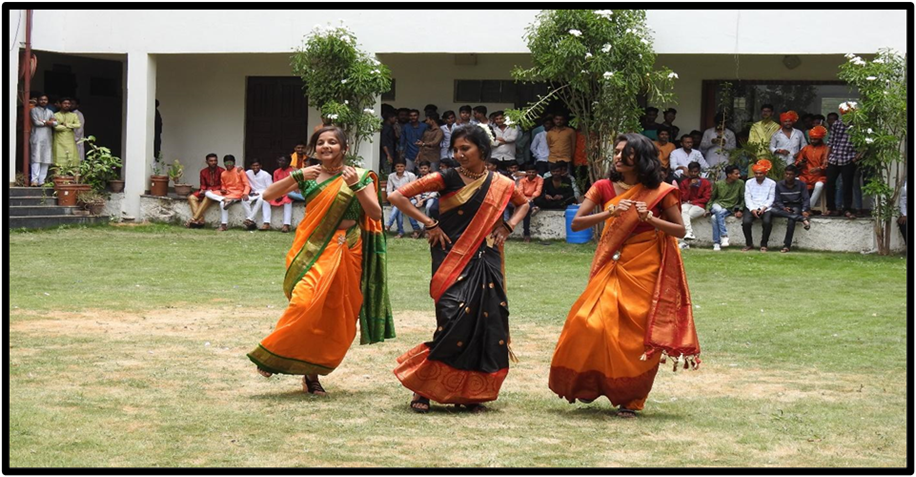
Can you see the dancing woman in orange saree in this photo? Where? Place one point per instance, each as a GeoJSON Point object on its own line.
{"type": "Point", "coordinates": [636, 308]}
{"type": "Point", "coordinates": [335, 269]}
{"type": "Point", "coordinates": [468, 357]}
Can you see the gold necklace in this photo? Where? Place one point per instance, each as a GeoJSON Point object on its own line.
{"type": "Point", "coordinates": [331, 171]}
{"type": "Point", "coordinates": [471, 175]}
{"type": "Point", "coordinates": [623, 185]}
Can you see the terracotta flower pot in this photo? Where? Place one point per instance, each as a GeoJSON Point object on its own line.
{"type": "Point", "coordinates": [183, 190]}
{"type": "Point", "coordinates": [383, 187]}
{"type": "Point", "coordinates": [66, 194]}
{"type": "Point", "coordinates": [116, 185]}
{"type": "Point", "coordinates": [63, 179]}
{"type": "Point", "coordinates": [159, 186]}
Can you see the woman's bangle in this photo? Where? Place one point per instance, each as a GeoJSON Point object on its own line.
{"type": "Point", "coordinates": [508, 227]}
{"type": "Point", "coordinates": [434, 225]}
{"type": "Point", "coordinates": [356, 187]}
{"type": "Point", "coordinates": [297, 175]}
{"type": "Point", "coordinates": [649, 216]}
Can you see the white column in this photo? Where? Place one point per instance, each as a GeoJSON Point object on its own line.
{"type": "Point", "coordinates": [15, 21]}
{"type": "Point", "coordinates": [139, 129]}
{"type": "Point", "coordinates": [370, 151]}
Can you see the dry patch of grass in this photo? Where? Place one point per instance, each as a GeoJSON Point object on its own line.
{"type": "Point", "coordinates": [172, 386]}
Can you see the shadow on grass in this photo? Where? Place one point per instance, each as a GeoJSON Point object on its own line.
{"type": "Point", "coordinates": [605, 412]}
{"type": "Point", "coordinates": [299, 395]}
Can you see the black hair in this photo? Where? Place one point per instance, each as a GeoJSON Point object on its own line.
{"type": "Point", "coordinates": [302, 142]}
{"type": "Point", "coordinates": [693, 166]}
{"type": "Point", "coordinates": [767, 106]}
{"type": "Point", "coordinates": [556, 166]}
{"type": "Point", "coordinates": [476, 136]}
{"type": "Point", "coordinates": [253, 162]}
{"type": "Point", "coordinates": [807, 115]}
{"type": "Point", "coordinates": [406, 110]}
{"type": "Point", "coordinates": [429, 107]}
{"type": "Point", "coordinates": [446, 162]}
{"type": "Point", "coordinates": [448, 113]}
{"type": "Point", "coordinates": [731, 168]}
{"type": "Point", "coordinates": [411, 111]}
{"type": "Point", "coordinates": [651, 109]}
{"type": "Point", "coordinates": [65, 98]}
{"type": "Point", "coordinates": [283, 158]}
{"type": "Point", "coordinates": [531, 166]}
{"type": "Point", "coordinates": [481, 109]}
{"type": "Point", "coordinates": [791, 168]}
{"type": "Point", "coordinates": [499, 113]}
{"type": "Point", "coordinates": [399, 160]}
{"type": "Point", "coordinates": [645, 160]}
{"type": "Point", "coordinates": [228, 157]}
{"type": "Point", "coordinates": [513, 163]}
{"type": "Point", "coordinates": [819, 116]}
{"type": "Point", "coordinates": [718, 117]}
{"type": "Point", "coordinates": [686, 136]}
{"type": "Point", "coordinates": [670, 110]}
{"type": "Point", "coordinates": [388, 115]}
{"type": "Point", "coordinates": [212, 154]}
{"type": "Point", "coordinates": [424, 163]}
{"type": "Point", "coordinates": [662, 128]}
{"type": "Point", "coordinates": [433, 115]}
{"type": "Point", "coordinates": [832, 114]}
{"type": "Point", "coordinates": [465, 108]}
{"type": "Point", "coordinates": [696, 133]}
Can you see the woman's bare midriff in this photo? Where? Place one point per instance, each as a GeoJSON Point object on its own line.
{"type": "Point", "coordinates": [345, 224]}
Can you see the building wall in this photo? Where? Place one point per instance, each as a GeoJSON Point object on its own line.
{"type": "Point", "coordinates": [276, 31]}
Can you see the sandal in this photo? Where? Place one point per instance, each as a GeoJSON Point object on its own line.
{"type": "Point", "coordinates": [419, 404]}
{"type": "Point", "coordinates": [807, 224]}
{"type": "Point", "coordinates": [763, 249]}
{"type": "Point", "coordinates": [747, 249]}
{"type": "Point", "coordinates": [265, 227]}
{"type": "Point", "coordinates": [264, 372]}
{"type": "Point", "coordinates": [850, 215]}
{"type": "Point", "coordinates": [285, 229]}
{"type": "Point", "coordinates": [784, 250]}
{"type": "Point", "coordinates": [313, 387]}
{"type": "Point", "coordinates": [625, 413]}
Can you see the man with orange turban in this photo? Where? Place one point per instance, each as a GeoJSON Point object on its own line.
{"type": "Point", "coordinates": [759, 195]}
{"type": "Point", "coordinates": [787, 141]}
{"type": "Point", "coordinates": [812, 163]}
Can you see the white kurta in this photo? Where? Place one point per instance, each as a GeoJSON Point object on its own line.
{"type": "Point", "coordinates": [42, 136]}
{"type": "Point", "coordinates": [713, 152]}
{"type": "Point", "coordinates": [259, 182]}
{"type": "Point", "coordinates": [79, 133]}
{"type": "Point", "coordinates": [792, 143]}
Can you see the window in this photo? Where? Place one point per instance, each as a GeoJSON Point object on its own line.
{"type": "Point", "coordinates": [389, 96]}
{"type": "Point", "coordinates": [803, 97]}
{"type": "Point", "coordinates": [486, 91]}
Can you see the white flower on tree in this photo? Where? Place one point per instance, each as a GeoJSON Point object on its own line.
{"type": "Point", "coordinates": [575, 32]}
{"type": "Point", "coordinates": [673, 75]}
{"type": "Point", "coordinates": [332, 116]}
{"type": "Point", "coordinates": [871, 78]}
{"type": "Point", "coordinates": [588, 55]}
{"type": "Point", "coordinates": [369, 110]}
{"type": "Point", "coordinates": [606, 48]}
{"type": "Point", "coordinates": [869, 140]}
{"type": "Point", "coordinates": [608, 74]}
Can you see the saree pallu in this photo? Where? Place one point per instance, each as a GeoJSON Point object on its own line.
{"type": "Point", "coordinates": [334, 278]}
{"type": "Point", "coordinates": [635, 304]}
{"type": "Point", "coordinates": [468, 358]}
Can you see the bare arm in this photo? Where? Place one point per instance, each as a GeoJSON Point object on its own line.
{"type": "Point", "coordinates": [670, 222]}
{"type": "Point", "coordinates": [585, 219]}
{"type": "Point", "coordinates": [367, 196]}
{"type": "Point", "coordinates": [280, 188]}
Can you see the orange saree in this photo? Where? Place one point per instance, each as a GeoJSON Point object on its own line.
{"type": "Point", "coordinates": [334, 279]}
{"type": "Point", "coordinates": [636, 305]}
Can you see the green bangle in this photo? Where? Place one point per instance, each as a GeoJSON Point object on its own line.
{"type": "Point", "coordinates": [354, 188]}
{"type": "Point", "coordinates": [297, 175]}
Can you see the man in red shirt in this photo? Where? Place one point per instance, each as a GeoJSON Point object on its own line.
{"type": "Point", "coordinates": [209, 180]}
{"type": "Point", "coordinates": [695, 192]}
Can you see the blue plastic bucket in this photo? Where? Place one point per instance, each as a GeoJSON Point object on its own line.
{"type": "Point", "coordinates": [583, 236]}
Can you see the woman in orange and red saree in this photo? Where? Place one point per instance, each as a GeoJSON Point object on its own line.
{"type": "Point", "coordinates": [468, 357]}
{"type": "Point", "coordinates": [335, 269]}
{"type": "Point", "coordinates": [636, 308]}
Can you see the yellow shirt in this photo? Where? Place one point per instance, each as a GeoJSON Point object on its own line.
{"type": "Point", "coordinates": [762, 131]}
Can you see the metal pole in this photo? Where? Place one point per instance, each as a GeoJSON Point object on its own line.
{"type": "Point", "coordinates": [27, 80]}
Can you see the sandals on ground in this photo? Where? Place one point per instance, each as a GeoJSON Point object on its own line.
{"type": "Point", "coordinates": [747, 249]}
{"type": "Point", "coordinates": [312, 387]}
{"type": "Point", "coordinates": [763, 249]}
{"type": "Point", "coordinates": [784, 250]}
{"type": "Point", "coordinates": [625, 413]}
{"type": "Point", "coordinates": [419, 404]}
{"type": "Point", "coordinates": [850, 215]}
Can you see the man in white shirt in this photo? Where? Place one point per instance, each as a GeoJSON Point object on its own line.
{"type": "Point", "coordinates": [505, 136]}
{"type": "Point", "coordinates": [396, 179]}
{"type": "Point", "coordinates": [445, 152]}
{"type": "Point", "coordinates": [759, 195]}
{"type": "Point", "coordinates": [717, 142]}
{"type": "Point", "coordinates": [539, 148]}
{"type": "Point", "coordinates": [682, 157]}
{"type": "Point", "coordinates": [786, 142]}
{"type": "Point", "coordinates": [259, 180]}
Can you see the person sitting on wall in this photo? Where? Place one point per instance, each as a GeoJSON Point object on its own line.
{"type": "Point", "coordinates": [234, 188]}
{"type": "Point", "coordinates": [396, 179]}
{"type": "Point", "coordinates": [812, 163]}
{"type": "Point", "coordinates": [695, 192]}
{"type": "Point", "coordinates": [557, 192]}
{"type": "Point", "coordinates": [259, 180]}
{"type": "Point", "coordinates": [792, 202]}
{"type": "Point", "coordinates": [299, 158]}
{"type": "Point", "coordinates": [759, 194]}
{"type": "Point", "coordinates": [727, 197]}
{"type": "Point", "coordinates": [564, 172]}
{"type": "Point", "coordinates": [209, 181]}
{"type": "Point", "coordinates": [665, 148]}
{"type": "Point", "coordinates": [283, 170]}
{"type": "Point", "coordinates": [682, 157]}
{"type": "Point", "coordinates": [531, 186]}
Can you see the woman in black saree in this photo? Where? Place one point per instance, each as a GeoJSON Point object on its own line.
{"type": "Point", "coordinates": [468, 357]}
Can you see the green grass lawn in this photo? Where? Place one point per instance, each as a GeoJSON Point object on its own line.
{"type": "Point", "coordinates": [127, 348]}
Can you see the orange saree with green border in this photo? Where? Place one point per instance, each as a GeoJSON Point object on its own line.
{"type": "Point", "coordinates": [334, 279]}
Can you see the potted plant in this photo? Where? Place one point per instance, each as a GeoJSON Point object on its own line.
{"type": "Point", "coordinates": [99, 168]}
{"type": "Point", "coordinates": [175, 172]}
{"type": "Point", "coordinates": [91, 200]}
{"type": "Point", "coordinates": [66, 184]}
{"type": "Point", "coordinates": [159, 182]}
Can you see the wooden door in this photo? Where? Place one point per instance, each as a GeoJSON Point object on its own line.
{"type": "Point", "coordinates": [276, 118]}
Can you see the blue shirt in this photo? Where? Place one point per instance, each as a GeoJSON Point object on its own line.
{"type": "Point", "coordinates": [410, 135]}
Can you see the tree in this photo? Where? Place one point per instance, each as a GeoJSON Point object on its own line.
{"type": "Point", "coordinates": [599, 63]}
{"type": "Point", "coordinates": [878, 129]}
{"type": "Point", "coordinates": [342, 82]}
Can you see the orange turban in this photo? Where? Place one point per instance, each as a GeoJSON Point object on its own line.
{"type": "Point", "coordinates": [817, 132]}
{"type": "Point", "coordinates": [762, 165]}
{"type": "Point", "coordinates": [788, 116]}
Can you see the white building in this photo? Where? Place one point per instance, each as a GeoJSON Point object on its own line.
{"type": "Point", "coordinates": [225, 85]}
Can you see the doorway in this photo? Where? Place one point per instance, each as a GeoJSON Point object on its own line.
{"type": "Point", "coordinates": [276, 118]}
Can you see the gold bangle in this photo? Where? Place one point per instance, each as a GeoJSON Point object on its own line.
{"type": "Point", "coordinates": [611, 208]}
{"type": "Point", "coordinates": [650, 215]}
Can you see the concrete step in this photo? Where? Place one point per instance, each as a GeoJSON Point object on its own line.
{"type": "Point", "coordinates": [47, 221]}
{"type": "Point", "coordinates": [23, 191]}
{"type": "Point", "coordinates": [33, 200]}
{"type": "Point", "coordinates": [33, 210]}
